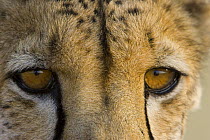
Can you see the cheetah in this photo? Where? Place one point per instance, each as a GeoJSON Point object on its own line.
{"type": "Point", "coordinates": [100, 69]}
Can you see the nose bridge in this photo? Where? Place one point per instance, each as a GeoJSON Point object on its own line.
{"type": "Point", "coordinates": [95, 111]}
{"type": "Point", "coordinates": [98, 108]}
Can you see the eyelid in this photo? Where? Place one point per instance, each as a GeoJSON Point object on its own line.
{"type": "Point", "coordinates": [178, 65]}
{"type": "Point", "coordinates": [10, 74]}
{"type": "Point", "coordinates": [170, 68]}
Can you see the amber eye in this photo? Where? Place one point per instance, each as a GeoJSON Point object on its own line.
{"type": "Point", "coordinates": [161, 80]}
{"type": "Point", "coordinates": [38, 80]}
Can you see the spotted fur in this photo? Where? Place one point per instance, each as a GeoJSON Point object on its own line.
{"type": "Point", "coordinates": [100, 51]}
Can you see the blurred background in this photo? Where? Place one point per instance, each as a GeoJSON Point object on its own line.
{"type": "Point", "coordinates": [198, 125]}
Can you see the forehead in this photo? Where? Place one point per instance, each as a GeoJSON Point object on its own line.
{"type": "Point", "coordinates": [148, 33]}
{"type": "Point", "coordinates": [42, 32]}
{"type": "Point", "coordinates": [153, 33]}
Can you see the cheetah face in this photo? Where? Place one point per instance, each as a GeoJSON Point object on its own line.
{"type": "Point", "coordinates": [88, 69]}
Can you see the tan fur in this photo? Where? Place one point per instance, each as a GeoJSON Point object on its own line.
{"type": "Point", "coordinates": [100, 51]}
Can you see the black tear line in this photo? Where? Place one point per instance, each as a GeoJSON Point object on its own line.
{"type": "Point", "coordinates": [147, 120]}
{"type": "Point", "coordinates": [60, 112]}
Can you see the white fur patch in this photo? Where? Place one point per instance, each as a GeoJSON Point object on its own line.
{"type": "Point", "coordinates": [45, 106]}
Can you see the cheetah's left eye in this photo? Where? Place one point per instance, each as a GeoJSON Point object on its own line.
{"type": "Point", "coordinates": [35, 81]}
{"type": "Point", "coordinates": [161, 80]}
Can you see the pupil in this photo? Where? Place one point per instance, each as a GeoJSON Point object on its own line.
{"type": "Point", "coordinates": [36, 73]}
{"type": "Point", "coordinates": [156, 73]}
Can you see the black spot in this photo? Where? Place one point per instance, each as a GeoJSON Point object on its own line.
{"type": "Point", "coordinates": [133, 11]}
{"type": "Point", "coordinates": [85, 5]}
{"type": "Point", "coordinates": [114, 19]}
{"type": "Point", "coordinates": [108, 1]}
{"type": "Point", "coordinates": [142, 132]}
{"type": "Point", "coordinates": [68, 12]}
{"type": "Point", "coordinates": [109, 33]}
{"type": "Point", "coordinates": [6, 106]}
{"type": "Point", "coordinates": [67, 5]}
{"type": "Point", "coordinates": [122, 18]}
{"type": "Point", "coordinates": [114, 39]}
{"type": "Point", "coordinates": [3, 15]}
{"type": "Point", "coordinates": [150, 39]}
{"type": "Point", "coordinates": [7, 125]}
{"type": "Point", "coordinates": [92, 0]}
{"type": "Point", "coordinates": [80, 21]}
{"type": "Point", "coordinates": [167, 7]}
{"type": "Point", "coordinates": [106, 101]}
{"type": "Point", "coordinates": [93, 19]}
{"type": "Point", "coordinates": [81, 1]}
{"type": "Point", "coordinates": [26, 103]}
{"type": "Point", "coordinates": [118, 2]}
{"type": "Point", "coordinates": [53, 41]}
{"type": "Point", "coordinates": [96, 12]}
{"type": "Point", "coordinates": [111, 13]}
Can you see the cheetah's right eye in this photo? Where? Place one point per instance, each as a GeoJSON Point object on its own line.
{"type": "Point", "coordinates": [35, 81]}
